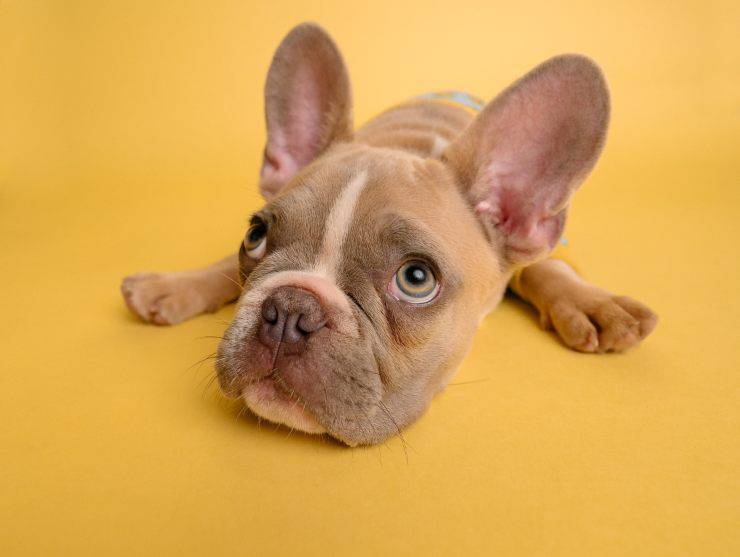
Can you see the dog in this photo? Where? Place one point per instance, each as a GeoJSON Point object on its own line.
{"type": "Point", "coordinates": [362, 280]}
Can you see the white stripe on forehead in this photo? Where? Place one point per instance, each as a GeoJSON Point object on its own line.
{"type": "Point", "coordinates": [337, 225]}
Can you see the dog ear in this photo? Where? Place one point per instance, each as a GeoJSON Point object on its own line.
{"type": "Point", "coordinates": [308, 104]}
{"type": "Point", "coordinates": [529, 149]}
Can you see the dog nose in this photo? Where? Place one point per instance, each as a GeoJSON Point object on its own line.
{"type": "Point", "coordinates": [290, 315]}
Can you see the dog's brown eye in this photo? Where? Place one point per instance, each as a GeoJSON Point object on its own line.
{"type": "Point", "coordinates": [414, 282]}
{"type": "Point", "coordinates": [255, 243]}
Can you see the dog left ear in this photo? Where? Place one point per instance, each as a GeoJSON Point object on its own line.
{"type": "Point", "coordinates": [308, 104]}
{"type": "Point", "coordinates": [529, 149]}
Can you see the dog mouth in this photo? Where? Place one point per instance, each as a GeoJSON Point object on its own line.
{"type": "Point", "coordinates": [268, 399]}
{"type": "Point", "coordinates": [317, 381]}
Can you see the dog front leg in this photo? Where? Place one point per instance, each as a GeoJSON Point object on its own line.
{"type": "Point", "coordinates": [170, 298]}
{"type": "Point", "coordinates": [585, 317]}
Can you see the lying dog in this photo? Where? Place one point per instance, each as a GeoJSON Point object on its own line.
{"type": "Point", "coordinates": [362, 280]}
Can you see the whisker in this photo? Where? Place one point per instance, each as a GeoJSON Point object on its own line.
{"type": "Point", "coordinates": [242, 412]}
{"type": "Point", "coordinates": [211, 356]}
{"type": "Point", "coordinates": [210, 383]}
{"type": "Point", "coordinates": [385, 409]}
{"type": "Point", "coordinates": [241, 286]}
{"type": "Point", "coordinates": [469, 382]}
{"type": "Point", "coordinates": [372, 426]}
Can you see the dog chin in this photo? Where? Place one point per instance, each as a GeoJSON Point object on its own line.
{"type": "Point", "coordinates": [267, 401]}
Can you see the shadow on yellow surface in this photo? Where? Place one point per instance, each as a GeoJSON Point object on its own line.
{"type": "Point", "coordinates": [130, 139]}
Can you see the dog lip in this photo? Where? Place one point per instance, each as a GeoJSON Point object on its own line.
{"type": "Point", "coordinates": [267, 399]}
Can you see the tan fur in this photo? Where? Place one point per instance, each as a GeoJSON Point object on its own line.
{"type": "Point", "coordinates": [415, 127]}
{"type": "Point", "coordinates": [345, 210]}
{"type": "Point", "coordinates": [585, 317]}
{"type": "Point", "coordinates": [170, 298]}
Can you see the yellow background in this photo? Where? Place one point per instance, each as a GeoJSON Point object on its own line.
{"type": "Point", "coordinates": [130, 137]}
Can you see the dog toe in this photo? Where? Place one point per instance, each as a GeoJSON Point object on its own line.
{"type": "Point", "coordinates": [142, 293]}
{"type": "Point", "coordinates": [574, 327]}
{"type": "Point", "coordinates": [618, 330]}
{"type": "Point", "coordinates": [646, 318]}
{"type": "Point", "coordinates": [163, 299]}
{"type": "Point", "coordinates": [173, 309]}
{"type": "Point", "coordinates": [592, 320]}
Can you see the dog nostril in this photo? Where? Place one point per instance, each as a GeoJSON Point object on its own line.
{"type": "Point", "coordinates": [269, 312]}
{"type": "Point", "coordinates": [306, 325]}
{"type": "Point", "coordinates": [289, 316]}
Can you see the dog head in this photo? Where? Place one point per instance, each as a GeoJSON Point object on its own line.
{"type": "Point", "coordinates": [368, 269]}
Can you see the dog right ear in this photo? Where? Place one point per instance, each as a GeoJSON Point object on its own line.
{"type": "Point", "coordinates": [524, 155]}
{"type": "Point", "coordinates": [308, 104]}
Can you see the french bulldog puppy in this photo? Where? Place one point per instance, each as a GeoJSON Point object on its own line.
{"type": "Point", "coordinates": [362, 280]}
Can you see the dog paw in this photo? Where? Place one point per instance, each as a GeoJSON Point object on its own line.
{"type": "Point", "coordinates": [163, 298]}
{"type": "Point", "coordinates": [589, 319]}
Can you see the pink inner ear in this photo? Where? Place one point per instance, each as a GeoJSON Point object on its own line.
{"type": "Point", "coordinates": [529, 186]}
{"type": "Point", "coordinates": [307, 106]}
{"type": "Point", "coordinates": [531, 220]}
{"type": "Point", "coordinates": [294, 137]}
{"type": "Point", "coordinates": [537, 142]}
{"type": "Point", "coordinates": [277, 168]}
{"type": "Point", "coordinates": [294, 140]}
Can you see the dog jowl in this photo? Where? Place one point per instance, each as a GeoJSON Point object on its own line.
{"type": "Point", "coordinates": [361, 281]}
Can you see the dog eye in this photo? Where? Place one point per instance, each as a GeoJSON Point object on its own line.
{"type": "Point", "coordinates": [414, 282]}
{"type": "Point", "coordinates": [255, 242]}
